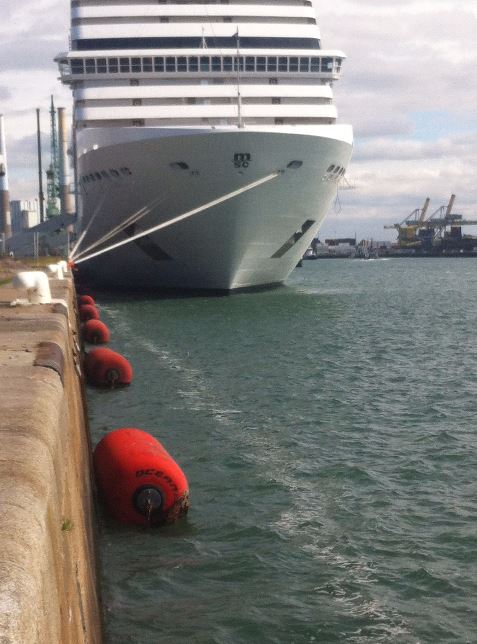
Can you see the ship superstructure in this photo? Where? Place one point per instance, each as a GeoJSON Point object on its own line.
{"type": "Point", "coordinates": [179, 104]}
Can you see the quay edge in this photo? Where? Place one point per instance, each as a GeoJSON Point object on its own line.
{"type": "Point", "coordinates": [48, 566]}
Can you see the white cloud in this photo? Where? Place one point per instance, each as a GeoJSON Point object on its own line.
{"type": "Point", "coordinates": [406, 62]}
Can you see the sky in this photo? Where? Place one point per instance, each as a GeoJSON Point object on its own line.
{"type": "Point", "coordinates": [408, 88]}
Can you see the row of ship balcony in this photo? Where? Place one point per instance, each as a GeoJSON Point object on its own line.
{"type": "Point", "coordinates": [74, 68]}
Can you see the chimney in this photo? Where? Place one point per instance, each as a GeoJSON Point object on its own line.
{"type": "Point", "coordinates": [5, 216]}
{"type": "Point", "coordinates": [66, 198]}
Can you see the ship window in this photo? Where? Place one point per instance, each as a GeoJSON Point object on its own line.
{"type": "Point", "coordinates": [304, 64]}
{"type": "Point", "coordinates": [90, 69]}
{"type": "Point", "coordinates": [92, 177]}
{"type": "Point", "coordinates": [273, 81]}
{"type": "Point", "coordinates": [135, 65]}
{"type": "Point", "coordinates": [315, 65]}
{"type": "Point", "coordinates": [147, 64]}
{"type": "Point", "coordinates": [295, 164]}
{"type": "Point", "coordinates": [136, 101]}
{"type": "Point", "coordinates": [170, 64]}
{"type": "Point", "coordinates": [179, 164]}
{"type": "Point", "coordinates": [125, 171]}
{"type": "Point", "coordinates": [214, 42]}
{"type": "Point", "coordinates": [271, 64]}
{"type": "Point", "coordinates": [98, 176]}
{"type": "Point", "coordinates": [238, 61]}
{"type": "Point", "coordinates": [293, 64]}
{"type": "Point", "coordinates": [216, 64]}
{"type": "Point", "coordinates": [124, 64]}
{"type": "Point", "coordinates": [105, 174]}
{"type": "Point", "coordinates": [276, 100]}
{"type": "Point", "coordinates": [227, 63]}
{"type": "Point", "coordinates": [283, 64]}
{"type": "Point", "coordinates": [77, 66]}
{"type": "Point", "coordinates": [331, 168]}
{"type": "Point", "coordinates": [138, 122]}
{"type": "Point", "coordinates": [278, 121]}
{"type": "Point", "coordinates": [261, 64]}
{"type": "Point", "coordinates": [337, 169]}
{"type": "Point", "coordinates": [204, 64]}
{"type": "Point", "coordinates": [193, 64]}
{"type": "Point", "coordinates": [327, 64]}
{"type": "Point", "coordinates": [113, 65]}
{"type": "Point", "coordinates": [101, 65]}
{"type": "Point", "coordinates": [159, 64]}
{"type": "Point", "coordinates": [182, 64]}
{"type": "Point", "coordinates": [250, 63]}
{"type": "Point", "coordinates": [114, 172]}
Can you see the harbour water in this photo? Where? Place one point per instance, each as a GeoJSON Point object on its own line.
{"type": "Point", "coordinates": [327, 430]}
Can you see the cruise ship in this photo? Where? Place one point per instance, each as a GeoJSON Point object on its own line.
{"type": "Point", "coordinates": [206, 140]}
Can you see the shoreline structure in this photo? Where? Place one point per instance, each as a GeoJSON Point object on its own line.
{"type": "Point", "coordinates": [49, 588]}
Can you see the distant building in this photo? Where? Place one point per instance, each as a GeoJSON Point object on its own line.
{"type": "Point", "coordinates": [25, 215]}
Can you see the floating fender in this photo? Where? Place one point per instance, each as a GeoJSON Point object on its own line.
{"type": "Point", "coordinates": [139, 480]}
{"type": "Point", "coordinates": [106, 368]}
{"type": "Point", "coordinates": [85, 299]}
{"type": "Point", "coordinates": [88, 312]}
{"type": "Point", "coordinates": [96, 332]}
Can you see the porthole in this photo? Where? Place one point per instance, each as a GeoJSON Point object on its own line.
{"type": "Point", "coordinates": [182, 165]}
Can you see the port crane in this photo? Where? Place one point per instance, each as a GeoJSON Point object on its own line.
{"type": "Point", "coordinates": [431, 235]}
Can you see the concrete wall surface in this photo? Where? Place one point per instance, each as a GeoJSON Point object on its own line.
{"type": "Point", "coordinates": [48, 582]}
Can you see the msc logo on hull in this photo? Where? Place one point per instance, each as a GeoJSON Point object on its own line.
{"type": "Point", "coordinates": [242, 159]}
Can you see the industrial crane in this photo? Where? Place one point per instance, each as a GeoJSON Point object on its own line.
{"type": "Point", "coordinates": [430, 235]}
{"type": "Point", "coordinates": [407, 229]}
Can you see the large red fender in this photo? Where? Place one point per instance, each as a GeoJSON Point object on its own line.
{"type": "Point", "coordinates": [138, 479]}
{"type": "Point", "coordinates": [85, 299]}
{"type": "Point", "coordinates": [96, 332]}
{"type": "Point", "coordinates": [106, 368]}
{"type": "Point", "coordinates": [88, 312]}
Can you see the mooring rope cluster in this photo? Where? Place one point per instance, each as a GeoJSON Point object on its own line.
{"type": "Point", "coordinates": [82, 256]}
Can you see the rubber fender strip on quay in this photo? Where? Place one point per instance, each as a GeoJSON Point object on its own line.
{"type": "Point", "coordinates": [138, 480]}
{"type": "Point", "coordinates": [96, 332]}
{"type": "Point", "coordinates": [88, 312]}
{"type": "Point", "coordinates": [106, 368]}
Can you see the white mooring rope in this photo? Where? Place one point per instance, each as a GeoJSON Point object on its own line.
{"type": "Point", "coordinates": [185, 215]}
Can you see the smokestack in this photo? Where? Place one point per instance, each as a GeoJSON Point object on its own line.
{"type": "Point", "coordinates": [66, 198]}
{"type": "Point", "coordinates": [5, 216]}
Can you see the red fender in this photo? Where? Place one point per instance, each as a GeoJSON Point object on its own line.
{"type": "Point", "coordinates": [138, 479]}
{"type": "Point", "coordinates": [85, 299]}
{"type": "Point", "coordinates": [88, 312]}
{"type": "Point", "coordinates": [106, 368]}
{"type": "Point", "coordinates": [96, 332]}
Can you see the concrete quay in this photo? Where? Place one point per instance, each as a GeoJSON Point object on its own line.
{"type": "Point", "coordinates": [48, 578]}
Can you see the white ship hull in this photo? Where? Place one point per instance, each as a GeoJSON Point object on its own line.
{"type": "Point", "coordinates": [253, 239]}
